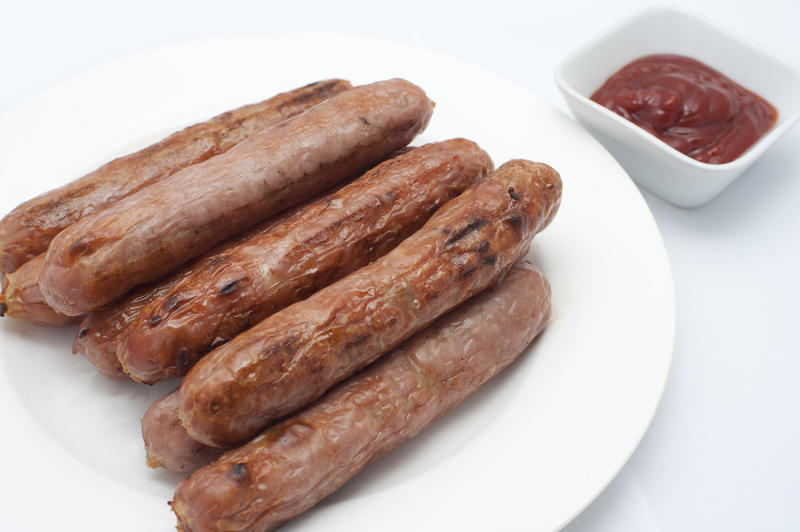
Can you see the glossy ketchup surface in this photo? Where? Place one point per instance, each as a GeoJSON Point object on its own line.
{"type": "Point", "coordinates": [688, 105]}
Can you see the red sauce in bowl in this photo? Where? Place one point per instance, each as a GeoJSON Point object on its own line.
{"type": "Point", "coordinates": [689, 105]}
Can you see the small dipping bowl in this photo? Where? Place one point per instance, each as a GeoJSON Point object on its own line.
{"type": "Point", "coordinates": [651, 162]}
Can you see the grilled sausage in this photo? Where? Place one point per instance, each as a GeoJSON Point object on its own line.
{"type": "Point", "coordinates": [99, 332]}
{"type": "Point", "coordinates": [295, 355]}
{"type": "Point", "coordinates": [146, 235]}
{"type": "Point", "coordinates": [166, 441]}
{"type": "Point", "coordinates": [20, 297]}
{"type": "Point", "coordinates": [27, 230]}
{"type": "Point", "coordinates": [335, 236]}
{"type": "Point", "coordinates": [292, 466]}
{"type": "Point", "coordinates": [369, 213]}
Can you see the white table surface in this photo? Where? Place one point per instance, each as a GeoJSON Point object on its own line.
{"type": "Point", "coordinates": [723, 452]}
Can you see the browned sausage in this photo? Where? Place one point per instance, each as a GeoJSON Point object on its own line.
{"type": "Point", "coordinates": [166, 441]}
{"type": "Point", "coordinates": [335, 236]}
{"type": "Point", "coordinates": [27, 230]}
{"type": "Point", "coordinates": [292, 466]}
{"type": "Point", "coordinates": [99, 332]}
{"type": "Point", "coordinates": [293, 356]}
{"type": "Point", "coordinates": [20, 297]}
{"type": "Point", "coordinates": [146, 235]}
{"type": "Point", "coordinates": [374, 213]}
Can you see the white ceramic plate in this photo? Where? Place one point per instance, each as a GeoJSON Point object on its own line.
{"type": "Point", "coordinates": [528, 451]}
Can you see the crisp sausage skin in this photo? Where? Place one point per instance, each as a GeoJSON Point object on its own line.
{"type": "Point", "coordinates": [166, 441]}
{"type": "Point", "coordinates": [21, 298]}
{"type": "Point", "coordinates": [98, 335]}
{"type": "Point", "coordinates": [27, 230]}
{"type": "Point", "coordinates": [295, 464]}
{"type": "Point", "coordinates": [333, 237]}
{"type": "Point", "coordinates": [144, 236]}
{"type": "Point", "coordinates": [295, 355]}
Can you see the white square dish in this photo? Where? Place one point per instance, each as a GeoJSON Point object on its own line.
{"type": "Point", "coordinates": [652, 163]}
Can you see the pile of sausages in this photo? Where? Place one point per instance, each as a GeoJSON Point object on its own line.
{"type": "Point", "coordinates": [327, 291]}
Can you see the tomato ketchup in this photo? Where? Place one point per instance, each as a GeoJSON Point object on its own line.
{"type": "Point", "coordinates": [689, 105]}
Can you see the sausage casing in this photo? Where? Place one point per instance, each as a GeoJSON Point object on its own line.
{"type": "Point", "coordinates": [166, 441]}
{"type": "Point", "coordinates": [144, 236]}
{"type": "Point", "coordinates": [27, 230]}
{"type": "Point", "coordinates": [293, 465]}
{"type": "Point", "coordinates": [295, 355]}
{"type": "Point", "coordinates": [99, 332]}
{"type": "Point", "coordinates": [333, 237]}
{"type": "Point", "coordinates": [21, 298]}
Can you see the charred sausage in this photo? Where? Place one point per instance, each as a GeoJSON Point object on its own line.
{"type": "Point", "coordinates": [295, 355]}
{"type": "Point", "coordinates": [21, 298]}
{"type": "Point", "coordinates": [293, 465]}
{"type": "Point", "coordinates": [372, 213]}
{"type": "Point", "coordinates": [146, 235]}
{"type": "Point", "coordinates": [27, 230]}
{"type": "Point", "coordinates": [99, 332]}
{"type": "Point", "coordinates": [335, 236]}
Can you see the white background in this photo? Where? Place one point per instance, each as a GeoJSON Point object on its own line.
{"type": "Point", "coordinates": [723, 452]}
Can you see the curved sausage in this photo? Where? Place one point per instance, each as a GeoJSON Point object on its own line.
{"type": "Point", "coordinates": [292, 466]}
{"type": "Point", "coordinates": [295, 355]}
{"type": "Point", "coordinates": [166, 441]}
{"type": "Point", "coordinates": [21, 298]}
{"type": "Point", "coordinates": [335, 236]}
{"type": "Point", "coordinates": [27, 230]}
{"type": "Point", "coordinates": [99, 332]}
{"type": "Point", "coordinates": [146, 235]}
